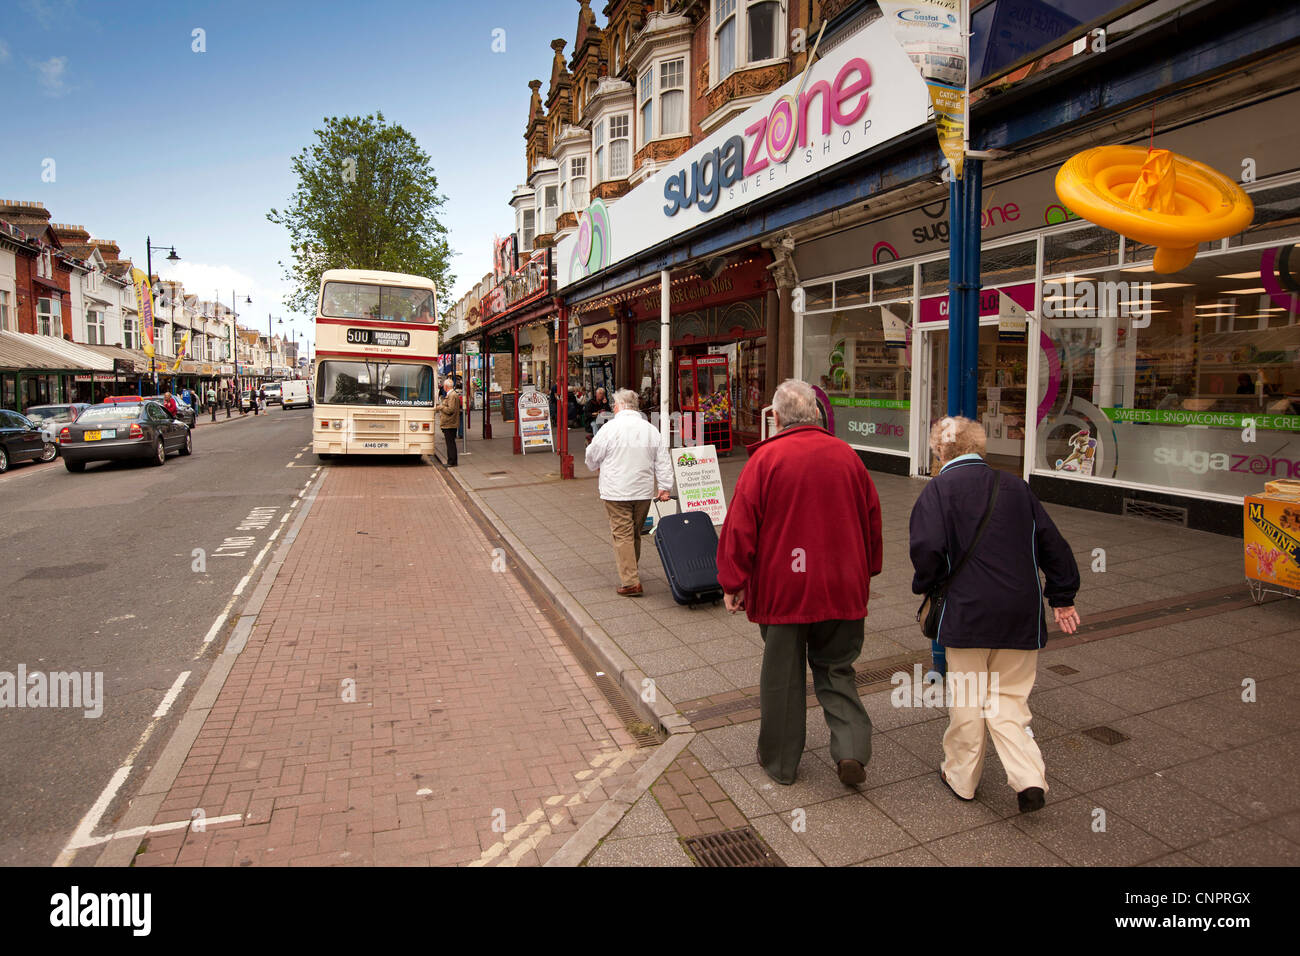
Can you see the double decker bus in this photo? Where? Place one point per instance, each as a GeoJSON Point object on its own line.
{"type": "Point", "coordinates": [376, 376]}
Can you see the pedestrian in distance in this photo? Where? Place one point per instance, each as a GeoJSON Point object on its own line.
{"type": "Point", "coordinates": [635, 466]}
{"type": "Point", "coordinates": [449, 418]}
{"type": "Point", "coordinates": [261, 398]}
{"type": "Point", "coordinates": [978, 540]}
{"type": "Point", "coordinates": [799, 547]}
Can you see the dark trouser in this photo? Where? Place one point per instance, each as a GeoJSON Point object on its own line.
{"type": "Point", "coordinates": [830, 647]}
{"type": "Point", "coordinates": [449, 435]}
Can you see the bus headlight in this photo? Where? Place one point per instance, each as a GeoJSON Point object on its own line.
{"type": "Point", "coordinates": [338, 424]}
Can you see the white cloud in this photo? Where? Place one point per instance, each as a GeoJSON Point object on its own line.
{"type": "Point", "coordinates": [51, 74]}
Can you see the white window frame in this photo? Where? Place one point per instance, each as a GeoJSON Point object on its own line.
{"type": "Point", "coordinates": [740, 16]}
{"type": "Point", "coordinates": [7, 314]}
{"type": "Point", "coordinates": [655, 71]}
{"type": "Point", "coordinates": [645, 95]}
{"type": "Point", "coordinates": [129, 332]}
{"type": "Point", "coordinates": [663, 90]}
{"type": "Point", "coordinates": [528, 229]}
{"type": "Point", "coordinates": [50, 323]}
{"type": "Point", "coordinates": [550, 211]}
{"type": "Point", "coordinates": [95, 327]}
{"type": "Point", "coordinates": [626, 138]}
{"type": "Point", "coordinates": [578, 168]}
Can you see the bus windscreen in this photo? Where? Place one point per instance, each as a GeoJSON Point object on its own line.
{"type": "Point", "coordinates": [375, 383]}
{"type": "Point", "coordinates": [352, 300]}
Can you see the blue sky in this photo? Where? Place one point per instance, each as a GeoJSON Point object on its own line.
{"type": "Point", "coordinates": [151, 138]}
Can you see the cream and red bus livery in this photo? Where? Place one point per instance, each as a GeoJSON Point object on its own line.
{"type": "Point", "coordinates": [376, 376]}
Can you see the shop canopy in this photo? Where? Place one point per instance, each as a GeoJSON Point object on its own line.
{"type": "Point", "coordinates": [20, 351]}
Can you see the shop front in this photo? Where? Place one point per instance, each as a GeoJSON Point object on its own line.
{"type": "Point", "coordinates": [1116, 387]}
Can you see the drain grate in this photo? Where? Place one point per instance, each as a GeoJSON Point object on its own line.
{"type": "Point", "coordinates": [1065, 670]}
{"type": "Point", "coordinates": [732, 848]}
{"type": "Point", "coordinates": [490, 473]}
{"type": "Point", "coordinates": [1169, 514]}
{"type": "Point", "coordinates": [1106, 735]}
{"type": "Point", "coordinates": [642, 733]}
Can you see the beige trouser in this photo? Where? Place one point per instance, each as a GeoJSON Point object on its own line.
{"type": "Point", "coordinates": [990, 686]}
{"type": "Point", "coordinates": [625, 521]}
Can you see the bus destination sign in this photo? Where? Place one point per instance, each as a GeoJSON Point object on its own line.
{"type": "Point", "coordinates": [379, 337]}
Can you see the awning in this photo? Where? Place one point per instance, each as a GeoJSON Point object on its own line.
{"type": "Point", "coordinates": [83, 356]}
{"type": "Point", "coordinates": [20, 351]}
{"type": "Point", "coordinates": [52, 286]}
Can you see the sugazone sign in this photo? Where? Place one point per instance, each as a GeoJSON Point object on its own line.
{"type": "Point", "coordinates": [699, 481]}
{"type": "Point", "coordinates": [865, 92]}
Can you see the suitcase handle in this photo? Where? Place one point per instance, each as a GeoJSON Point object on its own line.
{"type": "Point", "coordinates": [655, 501]}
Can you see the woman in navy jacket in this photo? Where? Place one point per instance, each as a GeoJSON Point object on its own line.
{"type": "Point", "coordinates": [993, 622]}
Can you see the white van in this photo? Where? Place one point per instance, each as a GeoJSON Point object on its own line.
{"type": "Point", "coordinates": [295, 395]}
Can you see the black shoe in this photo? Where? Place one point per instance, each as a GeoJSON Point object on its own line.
{"type": "Point", "coordinates": [1031, 799]}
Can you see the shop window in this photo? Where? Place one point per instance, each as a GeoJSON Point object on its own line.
{"type": "Point", "coordinates": [1277, 215]}
{"type": "Point", "coordinates": [934, 277]}
{"type": "Point", "coordinates": [854, 291]}
{"type": "Point", "coordinates": [817, 297]}
{"type": "Point", "coordinates": [1091, 247]}
{"type": "Point", "coordinates": [891, 284]}
{"type": "Point", "coordinates": [1005, 264]}
{"type": "Point", "coordinates": [1153, 384]}
{"type": "Point", "coordinates": [861, 359]}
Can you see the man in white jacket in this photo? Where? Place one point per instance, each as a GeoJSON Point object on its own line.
{"type": "Point", "coordinates": [633, 461]}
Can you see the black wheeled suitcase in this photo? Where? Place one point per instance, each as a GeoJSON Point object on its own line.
{"type": "Point", "coordinates": [688, 548]}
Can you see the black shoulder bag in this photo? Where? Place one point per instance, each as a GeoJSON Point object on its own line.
{"type": "Point", "coordinates": [930, 612]}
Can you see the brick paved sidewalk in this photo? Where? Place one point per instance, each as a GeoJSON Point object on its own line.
{"type": "Point", "coordinates": [1192, 773]}
{"type": "Point", "coordinates": [431, 718]}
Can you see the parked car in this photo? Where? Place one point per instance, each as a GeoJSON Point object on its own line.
{"type": "Point", "coordinates": [51, 417]}
{"type": "Point", "coordinates": [21, 440]}
{"type": "Point", "coordinates": [274, 395]}
{"type": "Point", "coordinates": [183, 411]}
{"type": "Point", "coordinates": [246, 400]}
{"type": "Point", "coordinates": [119, 430]}
{"type": "Point", "coordinates": [295, 395]}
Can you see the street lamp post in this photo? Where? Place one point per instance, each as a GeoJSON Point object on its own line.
{"type": "Point", "coordinates": [234, 349]}
{"type": "Point", "coordinates": [172, 257]}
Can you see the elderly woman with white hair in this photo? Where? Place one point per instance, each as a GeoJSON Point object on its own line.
{"type": "Point", "coordinates": [979, 539]}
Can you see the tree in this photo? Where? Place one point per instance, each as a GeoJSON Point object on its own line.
{"type": "Point", "coordinates": [367, 198]}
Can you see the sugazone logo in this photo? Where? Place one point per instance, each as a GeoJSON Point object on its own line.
{"type": "Point", "coordinates": [770, 140]}
{"type": "Point", "coordinates": [686, 460]}
{"type": "Point", "coordinates": [876, 428]}
{"type": "Point", "coordinates": [1201, 462]}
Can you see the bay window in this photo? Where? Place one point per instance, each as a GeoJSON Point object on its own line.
{"type": "Point", "coordinates": [549, 209]}
{"type": "Point", "coordinates": [672, 97]}
{"type": "Point", "coordinates": [95, 327]}
{"type": "Point", "coordinates": [578, 183]}
{"type": "Point", "coordinates": [530, 229]}
{"type": "Point", "coordinates": [618, 146]}
{"type": "Point", "coordinates": [745, 32]}
{"type": "Point", "coordinates": [647, 102]}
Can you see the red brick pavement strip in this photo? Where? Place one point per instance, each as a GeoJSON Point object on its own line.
{"type": "Point", "coordinates": [468, 731]}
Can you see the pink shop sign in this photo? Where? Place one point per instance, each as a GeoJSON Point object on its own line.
{"type": "Point", "coordinates": [935, 308]}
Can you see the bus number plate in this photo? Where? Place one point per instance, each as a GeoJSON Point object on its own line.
{"type": "Point", "coordinates": [379, 337]}
{"type": "Point", "coordinates": [374, 444]}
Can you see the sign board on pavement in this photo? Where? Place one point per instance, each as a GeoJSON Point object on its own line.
{"type": "Point", "coordinates": [699, 482]}
{"type": "Point", "coordinates": [534, 420]}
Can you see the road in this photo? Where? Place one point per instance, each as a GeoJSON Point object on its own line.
{"type": "Point", "coordinates": [123, 571]}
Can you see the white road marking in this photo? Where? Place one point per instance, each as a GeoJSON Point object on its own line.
{"type": "Point", "coordinates": [171, 695]}
{"type": "Point", "coordinates": [152, 828]}
{"type": "Point", "coordinates": [243, 582]}
{"type": "Point", "coordinates": [88, 823]}
{"type": "Point", "coordinates": [215, 629]}
{"type": "Point", "coordinates": [612, 761]}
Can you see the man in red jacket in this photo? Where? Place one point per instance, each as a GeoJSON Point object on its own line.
{"type": "Point", "coordinates": [799, 548]}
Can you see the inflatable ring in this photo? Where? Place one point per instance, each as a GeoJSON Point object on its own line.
{"type": "Point", "coordinates": [1205, 204]}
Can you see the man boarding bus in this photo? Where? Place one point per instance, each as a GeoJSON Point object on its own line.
{"type": "Point", "coordinates": [376, 371]}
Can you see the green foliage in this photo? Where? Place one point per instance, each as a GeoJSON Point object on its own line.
{"type": "Point", "coordinates": [367, 198]}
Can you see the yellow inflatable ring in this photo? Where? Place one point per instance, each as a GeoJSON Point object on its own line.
{"type": "Point", "coordinates": [1097, 183]}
